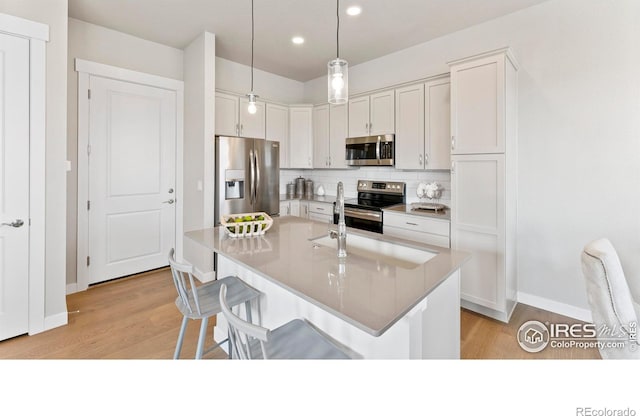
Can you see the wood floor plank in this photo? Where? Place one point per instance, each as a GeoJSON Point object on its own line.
{"type": "Point", "coordinates": [136, 318]}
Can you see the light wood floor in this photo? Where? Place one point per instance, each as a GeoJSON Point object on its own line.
{"type": "Point", "coordinates": [135, 318]}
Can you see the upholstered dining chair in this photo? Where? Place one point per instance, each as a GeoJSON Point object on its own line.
{"type": "Point", "coordinates": [296, 339]}
{"type": "Point", "coordinates": [614, 311]}
{"type": "Point", "coordinates": [200, 302]}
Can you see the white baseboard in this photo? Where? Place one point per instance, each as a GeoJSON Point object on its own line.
{"type": "Point", "coordinates": [72, 288]}
{"type": "Point", "coordinates": [204, 277]}
{"type": "Point", "coordinates": [55, 321]}
{"type": "Point", "coordinates": [555, 307]}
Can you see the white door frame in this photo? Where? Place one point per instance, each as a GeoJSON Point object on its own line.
{"type": "Point", "coordinates": [86, 69]}
{"type": "Point", "coordinates": [38, 35]}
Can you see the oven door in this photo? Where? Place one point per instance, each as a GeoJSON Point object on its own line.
{"type": "Point", "coordinates": [363, 219]}
{"type": "Point", "coordinates": [362, 151]}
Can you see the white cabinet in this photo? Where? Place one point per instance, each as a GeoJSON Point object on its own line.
{"type": "Point", "coordinates": [290, 207]}
{"type": "Point", "coordinates": [329, 134]}
{"type": "Point", "coordinates": [484, 185]}
{"type": "Point", "coordinates": [479, 110]}
{"type": "Point", "coordinates": [233, 118]}
{"type": "Point", "coordinates": [321, 211]}
{"type": "Point", "coordinates": [300, 136]}
{"type": "Point", "coordinates": [426, 230]}
{"type": "Point", "coordinates": [277, 128]}
{"type": "Point", "coordinates": [338, 131]}
{"type": "Point", "coordinates": [423, 125]}
{"type": "Point", "coordinates": [304, 209]}
{"type": "Point", "coordinates": [372, 114]}
{"type": "Point", "coordinates": [321, 136]}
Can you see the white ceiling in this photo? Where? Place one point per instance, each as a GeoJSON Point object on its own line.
{"type": "Point", "coordinates": [383, 27]}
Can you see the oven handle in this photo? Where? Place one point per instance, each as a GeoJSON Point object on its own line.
{"type": "Point", "coordinates": [363, 214]}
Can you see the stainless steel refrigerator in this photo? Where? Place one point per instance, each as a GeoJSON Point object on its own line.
{"type": "Point", "coordinates": [247, 176]}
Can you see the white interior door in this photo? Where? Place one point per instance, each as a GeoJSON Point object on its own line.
{"type": "Point", "coordinates": [132, 139]}
{"type": "Point", "coordinates": [14, 186]}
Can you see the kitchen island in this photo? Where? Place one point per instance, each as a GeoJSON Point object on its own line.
{"type": "Point", "coordinates": [389, 298]}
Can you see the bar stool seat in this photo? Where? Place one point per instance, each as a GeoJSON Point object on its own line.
{"type": "Point", "coordinates": [297, 339]}
{"type": "Point", "coordinates": [200, 302]}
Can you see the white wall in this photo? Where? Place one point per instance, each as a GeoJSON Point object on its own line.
{"type": "Point", "coordinates": [99, 44]}
{"type": "Point", "coordinates": [53, 13]}
{"type": "Point", "coordinates": [579, 129]}
{"type": "Point", "coordinates": [234, 77]}
{"type": "Point", "coordinates": [199, 115]}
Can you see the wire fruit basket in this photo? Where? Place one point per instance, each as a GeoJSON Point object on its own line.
{"type": "Point", "coordinates": [246, 225]}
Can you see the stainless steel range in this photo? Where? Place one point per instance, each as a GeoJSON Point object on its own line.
{"type": "Point", "coordinates": [365, 212]}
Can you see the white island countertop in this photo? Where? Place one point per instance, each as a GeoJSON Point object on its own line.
{"type": "Point", "coordinates": [363, 290]}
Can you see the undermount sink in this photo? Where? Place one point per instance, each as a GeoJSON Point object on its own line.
{"type": "Point", "coordinates": [390, 253]}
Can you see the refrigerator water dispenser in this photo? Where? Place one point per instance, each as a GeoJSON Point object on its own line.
{"type": "Point", "coordinates": [234, 184]}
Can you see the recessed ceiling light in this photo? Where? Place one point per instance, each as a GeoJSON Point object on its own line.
{"type": "Point", "coordinates": [354, 10]}
{"type": "Point", "coordinates": [298, 40]}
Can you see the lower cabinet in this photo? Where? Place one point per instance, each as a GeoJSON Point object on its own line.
{"type": "Point", "coordinates": [304, 209]}
{"type": "Point", "coordinates": [290, 207]}
{"type": "Point", "coordinates": [415, 228]}
{"type": "Point", "coordinates": [321, 211]}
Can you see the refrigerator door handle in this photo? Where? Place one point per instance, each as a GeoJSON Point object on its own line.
{"type": "Point", "coordinates": [257, 185]}
{"type": "Point", "coordinates": [252, 185]}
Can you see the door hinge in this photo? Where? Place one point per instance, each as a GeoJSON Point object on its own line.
{"type": "Point", "coordinates": [88, 149]}
{"type": "Point", "coordinates": [88, 205]}
{"type": "Point", "coordinates": [88, 261]}
{"type": "Point", "coordinates": [89, 94]}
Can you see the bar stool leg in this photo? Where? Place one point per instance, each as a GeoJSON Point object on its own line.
{"type": "Point", "coordinates": [201, 338]}
{"type": "Point", "coordinates": [183, 327]}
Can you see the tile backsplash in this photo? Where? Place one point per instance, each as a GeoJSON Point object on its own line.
{"type": "Point", "coordinates": [329, 180]}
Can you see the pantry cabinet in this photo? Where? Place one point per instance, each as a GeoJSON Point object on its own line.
{"type": "Point", "coordinates": [484, 180]}
{"type": "Point", "coordinates": [372, 114]}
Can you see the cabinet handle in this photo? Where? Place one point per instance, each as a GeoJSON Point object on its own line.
{"type": "Point", "coordinates": [426, 159]}
{"type": "Point", "coordinates": [370, 127]}
{"type": "Point", "coordinates": [320, 209]}
{"type": "Point", "coordinates": [453, 167]}
{"type": "Point", "coordinates": [453, 142]}
{"type": "Point", "coordinates": [309, 162]}
{"type": "Point", "coordinates": [329, 160]}
{"type": "Point", "coordinates": [241, 128]}
{"type": "Point", "coordinates": [412, 223]}
{"type": "Point", "coordinates": [420, 160]}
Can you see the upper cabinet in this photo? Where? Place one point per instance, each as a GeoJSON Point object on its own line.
{"type": "Point", "coordinates": [233, 118]}
{"type": "Point", "coordinates": [301, 136]}
{"type": "Point", "coordinates": [277, 128]}
{"type": "Point", "coordinates": [372, 114]}
{"type": "Point", "coordinates": [422, 126]}
{"type": "Point", "coordinates": [329, 134]}
{"type": "Point", "coordinates": [478, 104]}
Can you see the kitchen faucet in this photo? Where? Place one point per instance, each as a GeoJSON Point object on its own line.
{"type": "Point", "coordinates": [341, 233]}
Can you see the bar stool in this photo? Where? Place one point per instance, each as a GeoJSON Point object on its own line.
{"type": "Point", "coordinates": [296, 339]}
{"type": "Point", "coordinates": [203, 301]}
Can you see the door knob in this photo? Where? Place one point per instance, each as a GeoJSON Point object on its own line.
{"type": "Point", "coordinates": [16, 224]}
{"type": "Point", "coordinates": [171, 201]}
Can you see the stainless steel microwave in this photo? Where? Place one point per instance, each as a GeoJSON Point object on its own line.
{"type": "Point", "coordinates": [370, 150]}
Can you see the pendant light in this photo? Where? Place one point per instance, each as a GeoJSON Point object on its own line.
{"type": "Point", "coordinates": [338, 71]}
{"type": "Point", "coordinates": [252, 97]}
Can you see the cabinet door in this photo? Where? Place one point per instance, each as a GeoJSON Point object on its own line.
{"type": "Point", "coordinates": [226, 115]}
{"type": "Point", "coordinates": [252, 125]}
{"type": "Point", "coordinates": [478, 226]}
{"type": "Point", "coordinates": [338, 131]}
{"type": "Point", "coordinates": [304, 209]}
{"type": "Point", "coordinates": [437, 125]}
{"type": "Point", "coordinates": [359, 117]}
{"type": "Point", "coordinates": [477, 106]}
{"type": "Point", "coordinates": [285, 208]}
{"type": "Point", "coordinates": [410, 127]}
{"type": "Point", "coordinates": [321, 136]}
{"type": "Point", "coordinates": [277, 128]}
{"type": "Point", "coordinates": [300, 137]}
{"type": "Point", "coordinates": [382, 113]}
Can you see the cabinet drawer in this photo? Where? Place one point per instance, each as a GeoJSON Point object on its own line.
{"type": "Point", "coordinates": [320, 217]}
{"type": "Point", "coordinates": [321, 208]}
{"type": "Point", "coordinates": [426, 238]}
{"type": "Point", "coordinates": [415, 223]}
